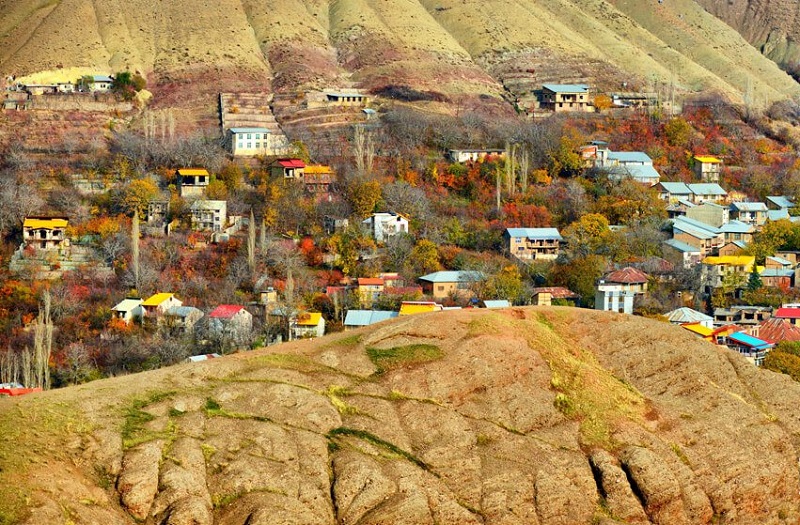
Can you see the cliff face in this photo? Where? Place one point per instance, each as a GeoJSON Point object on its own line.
{"type": "Point", "coordinates": [772, 26]}
{"type": "Point", "coordinates": [529, 416]}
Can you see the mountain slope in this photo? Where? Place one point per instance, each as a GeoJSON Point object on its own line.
{"type": "Point", "coordinates": [514, 416]}
{"type": "Point", "coordinates": [458, 48]}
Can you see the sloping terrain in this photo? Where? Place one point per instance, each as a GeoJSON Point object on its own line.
{"type": "Point", "coordinates": [466, 48]}
{"type": "Point", "coordinates": [526, 415]}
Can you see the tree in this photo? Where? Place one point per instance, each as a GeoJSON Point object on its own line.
{"type": "Point", "coordinates": [754, 282]}
{"type": "Point", "coordinates": [136, 195]}
{"type": "Point", "coordinates": [363, 196]}
{"type": "Point", "coordinates": [506, 284]}
{"type": "Point", "coordinates": [423, 259]}
{"type": "Point", "coordinates": [588, 235]}
{"type": "Point", "coordinates": [602, 102]}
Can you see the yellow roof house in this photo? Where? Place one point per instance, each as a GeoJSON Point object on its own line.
{"type": "Point", "coordinates": [744, 261]}
{"type": "Point", "coordinates": [309, 319]}
{"type": "Point", "coordinates": [707, 159]}
{"type": "Point", "coordinates": [157, 299]}
{"type": "Point", "coordinates": [45, 224]}
{"type": "Point", "coordinates": [192, 172]}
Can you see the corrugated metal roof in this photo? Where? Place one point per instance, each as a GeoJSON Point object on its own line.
{"type": "Point", "coordinates": [566, 88]}
{"type": "Point", "coordinates": [556, 292]}
{"type": "Point", "coordinates": [687, 315]}
{"type": "Point", "coordinates": [418, 307]}
{"type": "Point", "coordinates": [309, 319]}
{"type": "Point", "coordinates": [370, 281]}
{"type": "Point", "coordinates": [698, 329]}
{"type": "Point", "coordinates": [731, 260]}
{"type": "Point", "coordinates": [694, 223]}
{"type": "Point", "coordinates": [627, 275]}
{"type": "Point", "coordinates": [157, 299]}
{"type": "Point", "coordinates": [291, 163]}
{"type": "Point", "coordinates": [788, 313]}
{"type": "Point", "coordinates": [126, 305]}
{"type": "Point", "coordinates": [183, 311]}
{"type": "Point", "coordinates": [367, 317]}
{"type": "Point", "coordinates": [777, 272]}
{"type": "Point", "coordinates": [749, 340]}
{"type": "Point", "coordinates": [192, 171]}
{"type": "Point", "coordinates": [250, 130]}
{"type": "Point", "coordinates": [780, 260]}
{"type": "Point", "coordinates": [776, 330]}
{"type": "Point", "coordinates": [679, 188]}
{"type": "Point", "coordinates": [706, 188]}
{"type": "Point", "coordinates": [707, 159]}
{"type": "Point", "coordinates": [777, 215]}
{"type": "Point", "coordinates": [682, 246]}
{"type": "Point", "coordinates": [225, 311]}
{"type": "Point", "coordinates": [749, 206]}
{"type": "Point", "coordinates": [535, 233]}
{"type": "Point", "coordinates": [630, 156]}
{"type": "Point", "coordinates": [313, 169]}
{"type": "Point", "coordinates": [736, 227]}
{"type": "Point", "coordinates": [453, 277]}
{"type": "Point", "coordinates": [46, 224]}
{"type": "Point", "coordinates": [498, 303]}
{"type": "Point", "coordinates": [781, 201]}
{"type": "Point", "coordinates": [102, 78]}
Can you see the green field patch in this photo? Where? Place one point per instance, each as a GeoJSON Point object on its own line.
{"type": "Point", "coordinates": [386, 359]}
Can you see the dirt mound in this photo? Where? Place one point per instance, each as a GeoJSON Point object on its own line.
{"type": "Point", "coordinates": [526, 415]}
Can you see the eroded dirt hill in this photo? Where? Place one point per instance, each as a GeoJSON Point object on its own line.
{"type": "Point", "coordinates": [526, 415]}
{"type": "Point", "coordinates": [191, 49]}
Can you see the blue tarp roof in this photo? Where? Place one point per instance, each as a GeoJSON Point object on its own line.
{"type": "Point", "coordinates": [367, 317]}
{"type": "Point", "coordinates": [499, 303]}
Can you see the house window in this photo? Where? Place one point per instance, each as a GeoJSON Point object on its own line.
{"type": "Point", "coordinates": [440, 288]}
{"type": "Point", "coordinates": [258, 136]}
{"type": "Point", "coordinates": [249, 136]}
{"type": "Point", "coordinates": [249, 145]}
{"type": "Point", "coordinates": [44, 245]}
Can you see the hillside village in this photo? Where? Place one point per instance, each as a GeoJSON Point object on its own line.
{"type": "Point", "coordinates": [338, 209]}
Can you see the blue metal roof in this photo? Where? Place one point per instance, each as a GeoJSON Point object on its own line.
{"type": "Point", "coordinates": [706, 188]}
{"type": "Point", "coordinates": [566, 88]}
{"type": "Point", "coordinates": [684, 222]}
{"type": "Point", "coordinates": [777, 272]}
{"type": "Point", "coordinates": [630, 156]}
{"type": "Point", "coordinates": [453, 277]}
{"type": "Point", "coordinates": [535, 233]}
{"type": "Point", "coordinates": [250, 130]}
{"type": "Point", "coordinates": [367, 317]}
{"type": "Point", "coordinates": [777, 215]}
{"type": "Point", "coordinates": [749, 206]}
{"type": "Point", "coordinates": [682, 246]}
{"type": "Point", "coordinates": [645, 173]}
{"type": "Point", "coordinates": [182, 311]}
{"type": "Point", "coordinates": [102, 78]}
{"type": "Point", "coordinates": [781, 201]}
{"type": "Point", "coordinates": [780, 260]}
{"type": "Point", "coordinates": [499, 303]}
{"type": "Point", "coordinates": [749, 340]}
{"type": "Point", "coordinates": [736, 227]}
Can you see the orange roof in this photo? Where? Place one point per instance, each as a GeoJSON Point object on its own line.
{"type": "Point", "coordinates": [370, 281]}
{"type": "Point", "coordinates": [192, 171]}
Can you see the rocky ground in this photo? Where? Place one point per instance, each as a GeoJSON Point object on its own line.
{"type": "Point", "coordinates": [525, 415]}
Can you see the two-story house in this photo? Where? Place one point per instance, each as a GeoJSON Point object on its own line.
{"type": "Point", "coordinates": [565, 97]}
{"type": "Point", "coordinates": [383, 225]}
{"type": "Point", "coordinates": [707, 168]}
{"type": "Point", "coordinates": [45, 233]}
{"type": "Point", "coordinates": [440, 285]}
{"type": "Point", "coordinates": [749, 212]}
{"type": "Point", "coordinates": [155, 306]}
{"type": "Point", "coordinates": [531, 244]}
{"type": "Point", "coordinates": [317, 179]}
{"type": "Point", "coordinates": [192, 182]}
{"type": "Point", "coordinates": [128, 310]}
{"type": "Point", "coordinates": [247, 142]}
{"type": "Point", "coordinates": [209, 215]}
{"type": "Point", "coordinates": [698, 234]}
{"type": "Point", "coordinates": [369, 289]}
{"type": "Point", "coordinates": [617, 291]}
{"type": "Point", "coordinates": [288, 169]}
{"type": "Point", "coordinates": [473, 155]}
{"type": "Point", "coordinates": [716, 269]}
{"type": "Point", "coordinates": [230, 322]}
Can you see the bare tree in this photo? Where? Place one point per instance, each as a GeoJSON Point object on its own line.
{"type": "Point", "coordinates": [363, 150]}
{"type": "Point", "coordinates": [135, 248]}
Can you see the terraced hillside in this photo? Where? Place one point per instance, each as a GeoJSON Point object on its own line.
{"type": "Point", "coordinates": [520, 416]}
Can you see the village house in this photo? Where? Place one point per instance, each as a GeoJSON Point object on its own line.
{"type": "Point", "coordinates": [707, 168]}
{"type": "Point", "coordinates": [128, 310]}
{"type": "Point", "coordinates": [317, 179]}
{"type": "Point", "coordinates": [681, 253]}
{"type": "Point", "coordinates": [679, 208]}
{"type": "Point", "coordinates": [778, 272]}
{"type": "Point", "coordinates": [633, 99]}
{"type": "Point", "coordinates": [358, 318]}
{"type": "Point", "coordinates": [709, 213]}
{"type": "Point", "coordinates": [549, 295]}
{"type": "Point", "coordinates": [473, 155]}
{"type": "Point", "coordinates": [209, 215]}
{"type": "Point", "coordinates": [230, 322]}
{"type": "Point", "coordinates": [333, 224]}
{"type": "Point", "coordinates": [155, 306]}
{"type": "Point", "coordinates": [617, 290]}
{"type": "Point", "coordinates": [342, 98]}
{"type": "Point", "coordinates": [288, 169]}
{"type": "Point", "coordinates": [383, 225]}
{"type": "Point", "coordinates": [369, 289]}
{"type": "Point", "coordinates": [192, 182]}
{"type": "Point", "coordinates": [754, 213]}
{"type": "Point", "coordinates": [179, 320]}
{"type": "Point", "coordinates": [697, 234]}
{"type": "Point", "coordinates": [744, 315]}
{"type": "Point", "coordinates": [157, 211]}
{"type": "Point", "coordinates": [697, 193]}
{"type": "Point", "coordinates": [685, 315]}
{"type": "Point", "coordinates": [248, 142]}
{"type": "Point", "coordinates": [529, 244]}
{"type": "Point", "coordinates": [790, 313]}
{"type": "Point", "coordinates": [620, 165]}
{"type": "Point", "coordinates": [737, 231]}
{"type": "Point", "coordinates": [752, 348]}
{"type": "Point", "coordinates": [99, 83]}
{"type": "Point", "coordinates": [779, 202]}
{"type": "Point", "coordinates": [441, 285]}
{"type": "Point", "coordinates": [565, 97]}
{"type": "Point", "coordinates": [733, 248]}
{"type": "Point", "coordinates": [716, 269]}
{"type": "Point", "coordinates": [307, 325]}
{"type": "Point", "coordinates": [775, 330]}
{"type": "Point", "coordinates": [45, 233]}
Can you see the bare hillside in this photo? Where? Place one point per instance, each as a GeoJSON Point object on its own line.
{"type": "Point", "coordinates": [190, 49]}
{"type": "Point", "coordinates": [529, 416]}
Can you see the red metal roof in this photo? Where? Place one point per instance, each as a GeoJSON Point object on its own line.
{"type": "Point", "coordinates": [225, 311]}
{"type": "Point", "coordinates": [370, 281]}
{"type": "Point", "coordinates": [291, 163]}
{"type": "Point", "coordinates": [627, 275]}
{"type": "Point", "coordinates": [776, 330]}
{"type": "Point", "coordinates": [788, 313]}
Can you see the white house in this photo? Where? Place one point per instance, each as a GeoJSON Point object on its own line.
{"type": "Point", "coordinates": [248, 142]}
{"type": "Point", "coordinates": [128, 310]}
{"type": "Point", "coordinates": [308, 325]}
{"type": "Point", "coordinates": [384, 225]}
{"type": "Point", "coordinates": [209, 215]}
